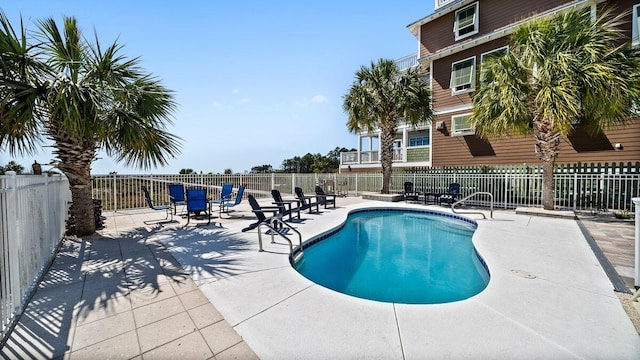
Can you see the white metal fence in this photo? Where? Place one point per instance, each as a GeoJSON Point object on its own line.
{"type": "Point", "coordinates": [33, 210]}
{"type": "Point", "coordinates": [586, 192]}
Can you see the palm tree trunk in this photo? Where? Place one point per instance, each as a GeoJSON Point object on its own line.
{"type": "Point", "coordinates": [548, 199]}
{"type": "Point", "coordinates": [387, 135]}
{"type": "Point", "coordinates": [83, 209]}
{"type": "Point", "coordinates": [75, 163]}
{"type": "Point", "coordinates": [547, 145]}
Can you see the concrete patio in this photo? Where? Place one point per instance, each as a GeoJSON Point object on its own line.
{"type": "Point", "coordinates": [197, 291]}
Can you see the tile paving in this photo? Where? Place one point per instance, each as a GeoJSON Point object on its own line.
{"type": "Point", "coordinates": [119, 294]}
{"type": "Point", "coordinates": [616, 239]}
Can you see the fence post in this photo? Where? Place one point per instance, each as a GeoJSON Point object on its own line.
{"type": "Point", "coordinates": [293, 183]}
{"type": "Point", "coordinates": [46, 203]}
{"type": "Point", "coordinates": [273, 180]}
{"type": "Point", "coordinates": [575, 190]}
{"type": "Point", "coordinates": [14, 236]}
{"type": "Point", "coordinates": [506, 190]}
{"type": "Point", "coordinates": [115, 193]}
{"type": "Point", "coordinates": [356, 184]}
{"type": "Point", "coordinates": [636, 202]}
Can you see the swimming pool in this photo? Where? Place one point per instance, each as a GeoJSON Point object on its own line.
{"type": "Point", "coordinates": [398, 255]}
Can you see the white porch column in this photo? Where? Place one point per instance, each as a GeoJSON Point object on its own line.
{"type": "Point", "coordinates": [359, 148]}
{"type": "Point", "coordinates": [405, 143]}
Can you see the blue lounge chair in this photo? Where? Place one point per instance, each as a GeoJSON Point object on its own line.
{"type": "Point", "coordinates": [452, 194]}
{"type": "Point", "coordinates": [166, 208]}
{"type": "Point", "coordinates": [325, 199]}
{"type": "Point", "coordinates": [410, 193]}
{"type": "Point", "coordinates": [225, 206]}
{"type": "Point", "coordinates": [176, 196]}
{"type": "Point", "coordinates": [197, 203]}
{"type": "Point", "coordinates": [225, 194]}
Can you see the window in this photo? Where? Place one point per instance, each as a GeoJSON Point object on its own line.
{"type": "Point", "coordinates": [466, 23]}
{"type": "Point", "coordinates": [491, 54]}
{"type": "Point", "coordinates": [419, 138]}
{"type": "Point", "coordinates": [635, 25]}
{"type": "Point", "coordinates": [494, 53]}
{"type": "Point", "coordinates": [460, 125]}
{"type": "Point", "coordinates": [463, 75]}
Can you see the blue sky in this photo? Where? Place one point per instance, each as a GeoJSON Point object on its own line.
{"type": "Point", "coordinates": [256, 82]}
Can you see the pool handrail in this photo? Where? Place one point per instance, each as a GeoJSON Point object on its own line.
{"type": "Point", "coordinates": [474, 212]}
{"type": "Point", "coordinates": [272, 225]}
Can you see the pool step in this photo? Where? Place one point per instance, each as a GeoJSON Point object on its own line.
{"type": "Point", "coordinates": [296, 256]}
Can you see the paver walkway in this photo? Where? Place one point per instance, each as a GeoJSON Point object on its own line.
{"type": "Point", "coordinates": [616, 239]}
{"type": "Point", "coordinates": [119, 295]}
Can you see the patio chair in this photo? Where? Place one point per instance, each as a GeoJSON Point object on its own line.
{"type": "Point", "coordinates": [452, 194]}
{"type": "Point", "coordinates": [325, 199]}
{"type": "Point", "coordinates": [225, 194]}
{"type": "Point", "coordinates": [286, 206]}
{"type": "Point", "coordinates": [176, 196]}
{"type": "Point", "coordinates": [225, 206]}
{"type": "Point", "coordinates": [306, 202]}
{"type": "Point", "coordinates": [410, 193]}
{"type": "Point", "coordinates": [197, 203]}
{"type": "Point", "coordinates": [166, 208]}
{"type": "Point", "coordinates": [260, 211]}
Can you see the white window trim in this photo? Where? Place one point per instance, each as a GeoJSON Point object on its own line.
{"type": "Point", "coordinates": [473, 77]}
{"type": "Point", "coordinates": [482, 56]}
{"type": "Point", "coordinates": [476, 21]}
{"type": "Point", "coordinates": [492, 51]}
{"type": "Point", "coordinates": [635, 29]}
{"type": "Point", "coordinates": [462, 132]}
{"type": "Point", "coordinates": [441, 3]}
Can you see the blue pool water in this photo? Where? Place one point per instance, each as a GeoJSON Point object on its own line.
{"type": "Point", "coordinates": [399, 256]}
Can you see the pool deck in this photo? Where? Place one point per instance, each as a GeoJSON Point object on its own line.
{"type": "Point", "coordinates": [205, 292]}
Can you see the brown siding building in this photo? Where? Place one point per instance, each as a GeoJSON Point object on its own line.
{"type": "Point", "coordinates": [452, 43]}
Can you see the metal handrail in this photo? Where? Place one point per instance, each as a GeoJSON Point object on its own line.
{"type": "Point", "coordinates": [473, 212]}
{"type": "Point", "coordinates": [271, 224]}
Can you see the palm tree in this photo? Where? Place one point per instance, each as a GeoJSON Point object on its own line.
{"type": "Point", "coordinates": [560, 73]}
{"type": "Point", "coordinates": [380, 97]}
{"type": "Point", "coordinates": [58, 85]}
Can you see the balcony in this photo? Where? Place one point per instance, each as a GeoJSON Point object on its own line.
{"type": "Point", "coordinates": [407, 62]}
{"type": "Point", "coordinates": [366, 157]}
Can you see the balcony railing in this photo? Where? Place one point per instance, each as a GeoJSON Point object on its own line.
{"type": "Point", "coordinates": [367, 157]}
{"type": "Point", "coordinates": [407, 62]}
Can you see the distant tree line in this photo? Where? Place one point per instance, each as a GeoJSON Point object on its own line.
{"type": "Point", "coordinates": [12, 166]}
{"type": "Point", "coordinates": [309, 163]}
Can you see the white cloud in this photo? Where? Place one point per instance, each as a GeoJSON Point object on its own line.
{"type": "Point", "coordinates": [318, 99]}
{"type": "Point", "coordinates": [245, 101]}
{"type": "Point", "coordinates": [217, 104]}
{"type": "Point", "coordinates": [235, 91]}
